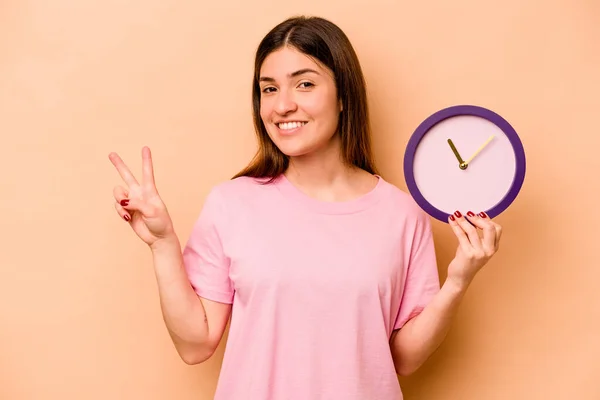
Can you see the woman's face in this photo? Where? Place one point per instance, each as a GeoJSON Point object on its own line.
{"type": "Point", "coordinates": [299, 104]}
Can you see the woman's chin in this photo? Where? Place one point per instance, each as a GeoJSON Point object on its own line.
{"type": "Point", "coordinates": [302, 145]}
{"type": "Point", "coordinates": [301, 149]}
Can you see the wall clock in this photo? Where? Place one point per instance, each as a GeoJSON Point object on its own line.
{"type": "Point", "coordinates": [464, 157]}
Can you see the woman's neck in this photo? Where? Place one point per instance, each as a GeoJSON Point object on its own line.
{"type": "Point", "coordinates": [324, 176]}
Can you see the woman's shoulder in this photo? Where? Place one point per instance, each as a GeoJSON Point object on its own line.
{"type": "Point", "coordinates": [397, 195]}
{"type": "Point", "coordinates": [240, 185]}
{"type": "Point", "coordinates": [402, 203]}
{"type": "Point", "coordinates": [237, 191]}
{"type": "Point", "coordinates": [229, 199]}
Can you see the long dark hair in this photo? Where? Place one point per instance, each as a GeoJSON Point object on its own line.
{"type": "Point", "coordinates": [326, 42]}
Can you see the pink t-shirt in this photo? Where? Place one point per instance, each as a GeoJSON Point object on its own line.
{"type": "Point", "coordinates": [317, 287]}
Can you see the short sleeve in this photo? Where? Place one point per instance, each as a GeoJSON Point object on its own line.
{"type": "Point", "coordinates": [422, 278]}
{"type": "Point", "coordinates": [206, 265]}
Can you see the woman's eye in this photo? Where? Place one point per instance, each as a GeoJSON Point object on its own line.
{"type": "Point", "coordinates": [307, 84]}
{"type": "Point", "coordinates": [267, 89]}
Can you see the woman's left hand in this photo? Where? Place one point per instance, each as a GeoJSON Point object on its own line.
{"type": "Point", "coordinates": [473, 251]}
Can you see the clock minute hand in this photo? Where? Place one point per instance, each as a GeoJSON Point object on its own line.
{"type": "Point", "coordinates": [479, 149]}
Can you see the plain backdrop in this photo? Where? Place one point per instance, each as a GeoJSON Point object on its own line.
{"type": "Point", "coordinates": [79, 310]}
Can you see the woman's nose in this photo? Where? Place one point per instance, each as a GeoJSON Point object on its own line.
{"type": "Point", "coordinates": [285, 102]}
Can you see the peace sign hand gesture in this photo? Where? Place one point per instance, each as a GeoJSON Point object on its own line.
{"type": "Point", "coordinates": [140, 204]}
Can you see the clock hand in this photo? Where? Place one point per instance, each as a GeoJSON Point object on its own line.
{"type": "Point", "coordinates": [461, 163]}
{"type": "Point", "coordinates": [479, 150]}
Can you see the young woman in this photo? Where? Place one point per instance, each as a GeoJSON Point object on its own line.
{"type": "Point", "coordinates": [327, 271]}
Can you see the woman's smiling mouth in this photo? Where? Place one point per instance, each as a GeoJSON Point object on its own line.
{"type": "Point", "coordinates": [290, 127]}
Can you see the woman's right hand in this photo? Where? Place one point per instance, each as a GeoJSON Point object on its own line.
{"type": "Point", "coordinates": [139, 203]}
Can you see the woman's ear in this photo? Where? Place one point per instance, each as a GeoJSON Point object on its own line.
{"type": "Point", "coordinates": [341, 105]}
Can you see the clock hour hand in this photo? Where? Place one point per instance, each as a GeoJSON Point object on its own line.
{"type": "Point", "coordinates": [461, 163]}
{"type": "Point", "coordinates": [479, 149]}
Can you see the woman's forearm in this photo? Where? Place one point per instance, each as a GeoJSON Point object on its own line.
{"type": "Point", "coordinates": [414, 343]}
{"type": "Point", "coordinates": [182, 310]}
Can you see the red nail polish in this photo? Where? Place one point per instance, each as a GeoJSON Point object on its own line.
{"type": "Point", "coordinates": [124, 202]}
{"type": "Point", "coordinates": [470, 214]}
{"type": "Point", "coordinates": [452, 217]}
{"type": "Point", "coordinates": [482, 215]}
{"type": "Point", "coordinates": [126, 218]}
{"type": "Point", "coordinates": [458, 214]}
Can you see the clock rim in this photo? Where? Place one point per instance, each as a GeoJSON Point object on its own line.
{"type": "Point", "coordinates": [454, 111]}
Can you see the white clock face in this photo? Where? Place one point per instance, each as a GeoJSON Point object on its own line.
{"type": "Point", "coordinates": [488, 176]}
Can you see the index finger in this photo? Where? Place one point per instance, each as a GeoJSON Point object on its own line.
{"type": "Point", "coordinates": [122, 169]}
{"type": "Point", "coordinates": [489, 232]}
{"type": "Point", "coordinates": [147, 167]}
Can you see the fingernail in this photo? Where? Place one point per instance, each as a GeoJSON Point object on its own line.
{"type": "Point", "coordinates": [451, 217]}
{"type": "Point", "coordinates": [124, 202]}
{"type": "Point", "coordinates": [126, 218]}
{"type": "Point", "coordinates": [470, 214]}
{"type": "Point", "coordinates": [482, 215]}
{"type": "Point", "coordinates": [458, 214]}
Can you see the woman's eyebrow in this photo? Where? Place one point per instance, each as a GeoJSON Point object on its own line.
{"type": "Point", "coordinates": [292, 75]}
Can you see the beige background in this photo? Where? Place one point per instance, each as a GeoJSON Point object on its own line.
{"type": "Point", "coordinates": [78, 79]}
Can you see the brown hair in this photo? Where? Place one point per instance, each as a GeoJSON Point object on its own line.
{"type": "Point", "coordinates": [324, 41]}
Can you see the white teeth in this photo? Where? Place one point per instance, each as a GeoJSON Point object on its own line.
{"type": "Point", "coordinates": [290, 125]}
